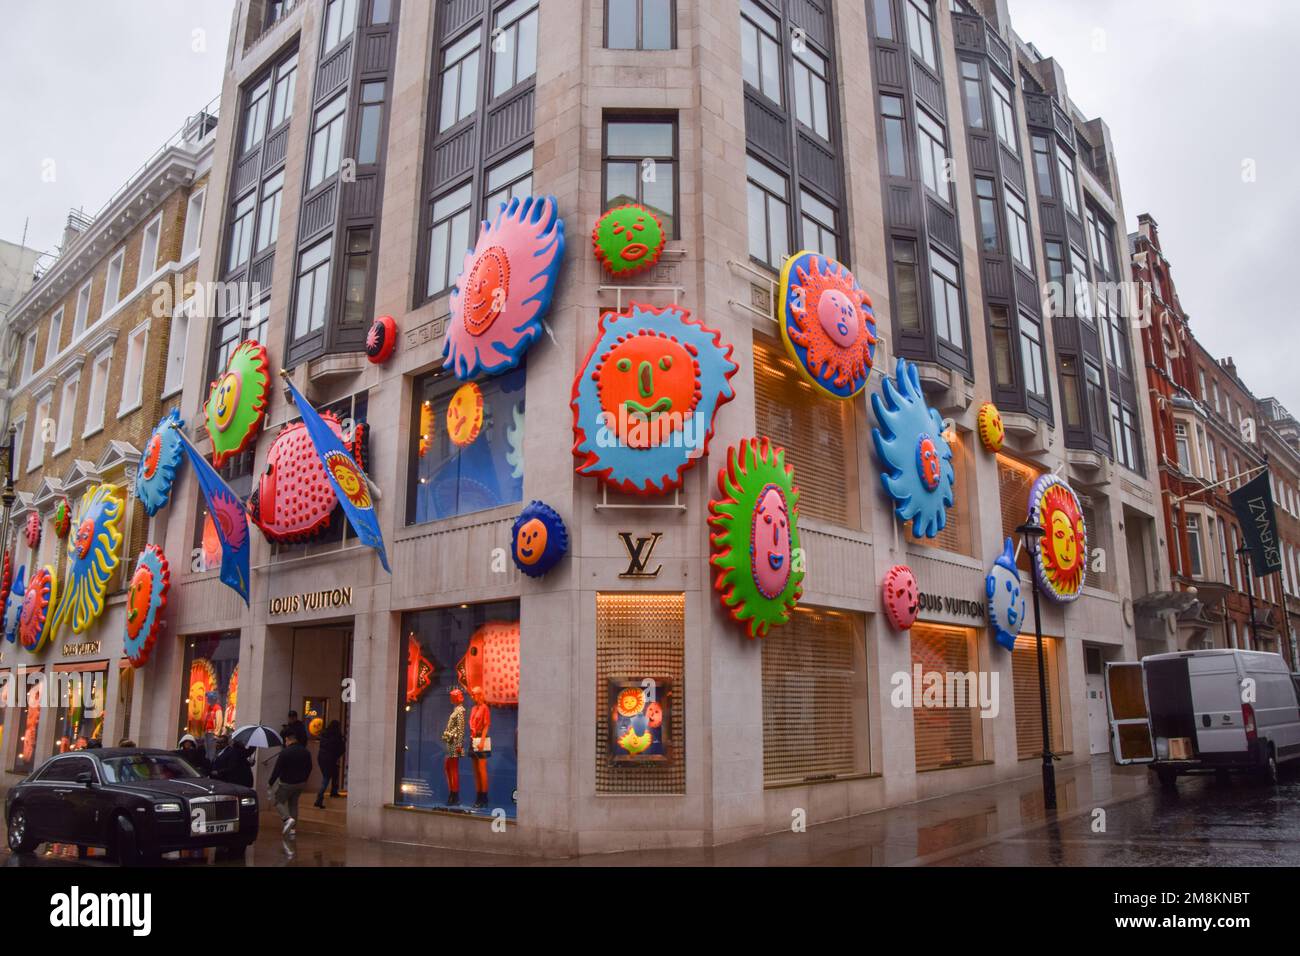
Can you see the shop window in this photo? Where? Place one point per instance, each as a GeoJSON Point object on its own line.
{"type": "Point", "coordinates": [818, 433]}
{"type": "Point", "coordinates": [458, 469]}
{"type": "Point", "coordinates": [209, 686]}
{"type": "Point", "coordinates": [640, 636]}
{"type": "Point", "coordinates": [640, 166]}
{"type": "Point", "coordinates": [946, 736]}
{"type": "Point", "coordinates": [815, 716]}
{"type": "Point", "coordinates": [79, 717]}
{"type": "Point", "coordinates": [1014, 481]}
{"type": "Point", "coordinates": [956, 533]}
{"type": "Point", "coordinates": [457, 649]}
{"type": "Point", "coordinates": [31, 685]}
{"type": "Point", "coordinates": [1029, 710]}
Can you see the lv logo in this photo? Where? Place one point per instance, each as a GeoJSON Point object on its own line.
{"type": "Point", "coordinates": [639, 552]}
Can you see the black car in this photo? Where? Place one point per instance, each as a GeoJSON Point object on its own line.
{"type": "Point", "coordinates": [136, 803]}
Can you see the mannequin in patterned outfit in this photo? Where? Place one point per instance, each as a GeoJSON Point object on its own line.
{"type": "Point", "coordinates": [453, 739]}
{"type": "Point", "coordinates": [480, 723]}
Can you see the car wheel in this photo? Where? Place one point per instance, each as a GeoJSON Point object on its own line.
{"type": "Point", "coordinates": [126, 846]}
{"type": "Point", "coordinates": [21, 837]}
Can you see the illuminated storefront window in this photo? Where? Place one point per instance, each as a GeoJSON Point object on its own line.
{"type": "Point", "coordinates": [467, 445]}
{"type": "Point", "coordinates": [209, 686]}
{"type": "Point", "coordinates": [1029, 715]}
{"type": "Point", "coordinates": [1014, 481]}
{"type": "Point", "coordinates": [29, 690]}
{"type": "Point", "coordinates": [458, 709]}
{"type": "Point", "coordinates": [79, 718]}
{"type": "Point", "coordinates": [947, 735]}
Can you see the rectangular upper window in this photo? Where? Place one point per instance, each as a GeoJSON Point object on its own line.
{"type": "Point", "coordinates": [79, 321]}
{"type": "Point", "coordinates": [1069, 190]}
{"type": "Point", "coordinates": [933, 154]}
{"type": "Point", "coordinates": [817, 221]}
{"type": "Point", "coordinates": [811, 94]}
{"type": "Point", "coordinates": [149, 250]}
{"type": "Point", "coordinates": [327, 141]}
{"type": "Point", "coordinates": [268, 220]}
{"type": "Point", "coordinates": [56, 326]}
{"type": "Point", "coordinates": [313, 289]}
{"type": "Point", "coordinates": [67, 414]}
{"type": "Point", "coordinates": [920, 31]}
{"type": "Point", "coordinates": [760, 50]}
{"type": "Point", "coordinates": [507, 179]}
{"type": "Point", "coordinates": [29, 354]}
{"type": "Point", "coordinates": [113, 280]}
{"type": "Point", "coordinates": [193, 223]}
{"type": "Point", "coordinates": [1042, 165]}
{"type": "Point", "coordinates": [972, 90]}
{"type": "Point", "coordinates": [459, 81]}
{"type": "Point", "coordinates": [986, 198]}
{"type": "Point", "coordinates": [255, 112]}
{"type": "Point", "coordinates": [945, 292]}
{"type": "Point", "coordinates": [340, 22]}
{"type": "Point", "coordinates": [640, 24]}
{"type": "Point", "coordinates": [769, 213]}
{"type": "Point", "coordinates": [514, 45]}
{"type": "Point", "coordinates": [448, 237]}
{"type": "Point", "coordinates": [1031, 356]}
{"type": "Point", "coordinates": [98, 396]}
{"type": "Point", "coordinates": [641, 166]}
{"type": "Point", "coordinates": [286, 80]}
{"type": "Point", "coordinates": [133, 370]}
{"type": "Point", "coordinates": [1018, 230]}
{"type": "Point", "coordinates": [1004, 117]}
{"type": "Point", "coordinates": [895, 134]}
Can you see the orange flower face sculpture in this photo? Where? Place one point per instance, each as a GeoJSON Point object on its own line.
{"type": "Point", "coordinates": [1063, 554]}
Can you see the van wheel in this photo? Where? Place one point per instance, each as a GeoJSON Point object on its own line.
{"type": "Point", "coordinates": [1168, 778]}
{"type": "Point", "coordinates": [1269, 773]}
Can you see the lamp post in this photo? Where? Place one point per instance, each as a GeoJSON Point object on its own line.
{"type": "Point", "coordinates": [1250, 594]}
{"type": "Point", "coordinates": [7, 496]}
{"type": "Point", "coordinates": [1032, 534]}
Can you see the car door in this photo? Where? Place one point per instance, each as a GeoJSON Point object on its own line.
{"type": "Point", "coordinates": [1129, 714]}
{"type": "Point", "coordinates": [81, 803]}
{"type": "Point", "coordinates": [45, 800]}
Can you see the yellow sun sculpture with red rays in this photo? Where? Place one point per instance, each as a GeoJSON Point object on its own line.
{"type": "Point", "coordinates": [350, 480]}
{"type": "Point", "coordinates": [1062, 559]}
{"type": "Point", "coordinates": [827, 323]}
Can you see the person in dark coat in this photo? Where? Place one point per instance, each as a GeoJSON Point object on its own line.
{"type": "Point", "coordinates": [188, 750]}
{"type": "Point", "coordinates": [292, 768]}
{"type": "Point", "coordinates": [328, 756]}
{"type": "Point", "coordinates": [296, 727]}
{"type": "Point", "coordinates": [233, 765]}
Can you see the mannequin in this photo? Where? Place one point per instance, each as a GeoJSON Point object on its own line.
{"type": "Point", "coordinates": [480, 722]}
{"type": "Point", "coordinates": [453, 737]}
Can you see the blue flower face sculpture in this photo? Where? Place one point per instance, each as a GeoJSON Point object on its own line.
{"type": "Point", "coordinates": [13, 609]}
{"type": "Point", "coordinates": [92, 559]}
{"type": "Point", "coordinates": [917, 461]}
{"type": "Point", "coordinates": [158, 464]}
{"type": "Point", "coordinates": [645, 398]}
{"type": "Point", "coordinates": [1006, 606]}
{"type": "Point", "coordinates": [538, 539]}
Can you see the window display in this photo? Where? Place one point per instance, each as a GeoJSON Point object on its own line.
{"type": "Point", "coordinates": [210, 679]}
{"type": "Point", "coordinates": [459, 702]}
{"type": "Point", "coordinates": [30, 684]}
{"type": "Point", "coordinates": [80, 715]}
{"type": "Point", "coordinates": [640, 711]}
{"type": "Point", "coordinates": [468, 451]}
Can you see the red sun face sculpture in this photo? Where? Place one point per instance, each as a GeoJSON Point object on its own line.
{"type": "Point", "coordinates": [901, 597]}
{"type": "Point", "coordinates": [33, 530]}
{"type": "Point", "coordinates": [486, 290]}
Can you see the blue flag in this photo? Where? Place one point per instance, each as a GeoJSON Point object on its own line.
{"type": "Point", "coordinates": [350, 484]}
{"type": "Point", "coordinates": [228, 517]}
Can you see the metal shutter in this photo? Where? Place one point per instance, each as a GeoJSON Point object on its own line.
{"type": "Point", "coordinates": [945, 736]}
{"type": "Point", "coordinates": [1024, 679]}
{"type": "Point", "coordinates": [1014, 481]}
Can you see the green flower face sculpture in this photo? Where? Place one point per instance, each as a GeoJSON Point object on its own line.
{"type": "Point", "coordinates": [628, 239]}
{"type": "Point", "coordinates": [237, 402]}
{"type": "Point", "coordinates": [756, 541]}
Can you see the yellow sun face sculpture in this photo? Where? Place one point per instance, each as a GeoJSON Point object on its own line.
{"type": "Point", "coordinates": [1063, 554]}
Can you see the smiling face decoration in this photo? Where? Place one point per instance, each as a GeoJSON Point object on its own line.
{"type": "Point", "coordinates": [237, 402]}
{"type": "Point", "coordinates": [827, 323]}
{"type": "Point", "coordinates": [465, 415]}
{"type": "Point", "coordinates": [539, 539]}
{"type": "Point", "coordinates": [755, 541]}
{"type": "Point", "coordinates": [62, 519]}
{"type": "Point", "coordinates": [35, 625]}
{"type": "Point", "coordinates": [902, 598]}
{"type": "Point", "coordinates": [13, 605]}
{"type": "Point", "coordinates": [33, 530]}
{"type": "Point", "coordinates": [159, 463]}
{"type": "Point", "coordinates": [1061, 564]}
{"type": "Point", "coordinates": [1006, 605]}
{"type": "Point", "coordinates": [146, 598]}
{"type": "Point", "coordinates": [628, 239]}
{"type": "Point", "coordinates": [988, 422]}
{"type": "Point", "coordinates": [917, 460]}
{"type": "Point", "coordinates": [92, 558]}
{"type": "Point", "coordinates": [646, 396]}
{"type": "Point", "coordinates": [504, 288]}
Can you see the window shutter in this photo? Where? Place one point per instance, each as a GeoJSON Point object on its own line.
{"type": "Point", "coordinates": [1014, 481]}
{"type": "Point", "coordinates": [1024, 678]}
{"type": "Point", "coordinates": [945, 736]}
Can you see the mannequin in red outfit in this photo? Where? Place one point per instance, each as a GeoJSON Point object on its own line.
{"type": "Point", "coordinates": [480, 723]}
{"type": "Point", "coordinates": [453, 738]}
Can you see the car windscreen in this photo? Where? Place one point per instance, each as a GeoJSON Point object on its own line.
{"type": "Point", "coordinates": [146, 767]}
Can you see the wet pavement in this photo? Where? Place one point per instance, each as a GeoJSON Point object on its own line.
{"type": "Point", "coordinates": [1107, 816]}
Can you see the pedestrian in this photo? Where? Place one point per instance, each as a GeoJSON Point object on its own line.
{"type": "Point", "coordinates": [328, 756]}
{"type": "Point", "coordinates": [188, 750]}
{"type": "Point", "coordinates": [294, 726]}
{"type": "Point", "coordinates": [292, 768]}
{"type": "Point", "coordinates": [233, 763]}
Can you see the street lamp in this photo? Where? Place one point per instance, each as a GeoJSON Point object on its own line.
{"type": "Point", "coordinates": [7, 496]}
{"type": "Point", "coordinates": [1250, 594]}
{"type": "Point", "coordinates": [1032, 534]}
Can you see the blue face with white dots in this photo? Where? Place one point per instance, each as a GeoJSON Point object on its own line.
{"type": "Point", "coordinates": [1006, 605]}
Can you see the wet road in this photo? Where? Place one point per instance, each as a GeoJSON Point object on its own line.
{"type": "Point", "coordinates": [1108, 816]}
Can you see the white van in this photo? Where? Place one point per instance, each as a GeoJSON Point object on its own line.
{"type": "Point", "coordinates": [1204, 711]}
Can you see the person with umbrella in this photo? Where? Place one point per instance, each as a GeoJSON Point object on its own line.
{"type": "Point", "coordinates": [233, 763]}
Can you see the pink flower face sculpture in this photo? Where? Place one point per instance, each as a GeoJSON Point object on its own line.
{"type": "Point", "coordinates": [771, 538]}
{"type": "Point", "coordinates": [901, 596]}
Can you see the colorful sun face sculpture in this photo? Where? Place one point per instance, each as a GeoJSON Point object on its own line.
{"type": "Point", "coordinates": [644, 400]}
{"type": "Point", "coordinates": [13, 606]}
{"type": "Point", "coordinates": [988, 422]}
{"type": "Point", "coordinates": [33, 531]}
{"type": "Point", "coordinates": [465, 415]}
{"type": "Point", "coordinates": [539, 539]}
{"type": "Point", "coordinates": [902, 598]}
{"type": "Point", "coordinates": [159, 463]}
{"type": "Point", "coordinates": [381, 340]}
{"type": "Point", "coordinates": [505, 287]}
{"type": "Point", "coordinates": [916, 460]}
{"type": "Point", "coordinates": [1006, 605]}
{"type": "Point", "coordinates": [62, 518]}
{"type": "Point", "coordinates": [1061, 564]}
{"type": "Point", "coordinates": [827, 323]}
{"type": "Point", "coordinates": [628, 239]}
{"type": "Point", "coordinates": [237, 402]}
{"type": "Point", "coordinates": [92, 558]}
{"type": "Point", "coordinates": [755, 541]}
{"type": "Point", "coordinates": [293, 499]}
{"type": "Point", "coordinates": [35, 625]}
{"type": "Point", "coordinates": [146, 597]}
{"type": "Point", "coordinates": [492, 662]}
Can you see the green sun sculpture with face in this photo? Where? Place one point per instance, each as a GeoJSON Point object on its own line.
{"type": "Point", "coordinates": [237, 402]}
{"type": "Point", "coordinates": [628, 239]}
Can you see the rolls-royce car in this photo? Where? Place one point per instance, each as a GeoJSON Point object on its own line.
{"type": "Point", "coordinates": [136, 803]}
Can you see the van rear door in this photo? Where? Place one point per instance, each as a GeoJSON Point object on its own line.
{"type": "Point", "coordinates": [1216, 703]}
{"type": "Point", "coordinates": [1126, 707]}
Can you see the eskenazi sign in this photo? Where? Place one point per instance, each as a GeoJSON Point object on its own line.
{"type": "Point", "coordinates": [311, 601]}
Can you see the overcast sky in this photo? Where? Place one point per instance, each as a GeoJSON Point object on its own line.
{"type": "Point", "coordinates": [1189, 88]}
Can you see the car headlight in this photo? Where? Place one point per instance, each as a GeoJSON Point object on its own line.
{"type": "Point", "coordinates": [248, 801]}
{"type": "Point", "coordinates": [167, 808]}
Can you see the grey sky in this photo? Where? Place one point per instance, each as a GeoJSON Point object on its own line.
{"type": "Point", "coordinates": [1190, 89]}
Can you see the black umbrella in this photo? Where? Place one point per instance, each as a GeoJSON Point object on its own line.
{"type": "Point", "coordinates": [257, 735]}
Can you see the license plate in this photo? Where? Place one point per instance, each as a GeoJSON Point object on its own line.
{"type": "Point", "coordinates": [219, 828]}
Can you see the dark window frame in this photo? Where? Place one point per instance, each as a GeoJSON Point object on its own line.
{"type": "Point", "coordinates": [640, 26]}
{"type": "Point", "coordinates": [674, 161]}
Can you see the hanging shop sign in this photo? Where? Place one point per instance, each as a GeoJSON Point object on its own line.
{"type": "Point", "coordinates": [34, 628]}
{"type": "Point", "coordinates": [33, 531]}
{"type": "Point", "coordinates": [1061, 561]}
{"type": "Point", "coordinates": [539, 539]}
{"type": "Point", "coordinates": [381, 340]}
{"type": "Point", "coordinates": [92, 558]}
{"type": "Point", "coordinates": [646, 395]}
{"type": "Point", "coordinates": [293, 499]}
{"type": "Point", "coordinates": [988, 422]}
{"type": "Point", "coordinates": [62, 518]}
{"type": "Point", "coordinates": [158, 465]}
{"type": "Point", "coordinates": [755, 541]}
{"type": "Point", "coordinates": [311, 601]}
{"type": "Point", "coordinates": [13, 606]}
{"type": "Point", "coordinates": [827, 323]}
{"type": "Point", "coordinates": [628, 239]}
{"type": "Point", "coordinates": [465, 415]}
{"type": "Point", "coordinates": [640, 710]}
{"type": "Point", "coordinates": [505, 288]}
{"type": "Point", "coordinates": [1006, 606]}
{"type": "Point", "coordinates": [492, 662]}
{"type": "Point", "coordinates": [237, 402]}
{"type": "Point", "coordinates": [640, 553]}
{"type": "Point", "coordinates": [146, 597]}
{"type": "Point", "coordinates": [1253, 505]}
{"type": "Point", "coordinates": [901, 595]}
{"type": "Point", "coordinates": [916, 459]}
